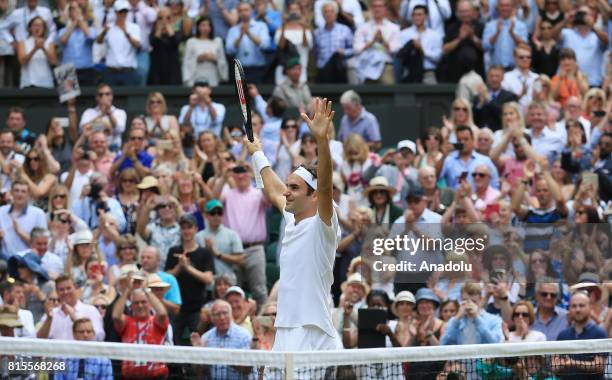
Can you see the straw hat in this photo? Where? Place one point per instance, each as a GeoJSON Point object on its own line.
{"type": "Point", "coordinates": [154, 281]}
{"type": "Point", "coordinates": [148, 182]}
{"type": "Point", "coordinates": [9, 317]}
{"type": "Point", "coordinates": [356, 278]}
{"type": "Point", "coordinates": [588, 280]}
{"type": "Point", "coordinates": [403, 296]}
{"type": "Point", "coordinates": [126, 269]}
{"type": "Point", "coordinates": [379, 183]}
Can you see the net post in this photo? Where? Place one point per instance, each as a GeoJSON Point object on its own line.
{"type": "Point", "coordinates": [289, 375]}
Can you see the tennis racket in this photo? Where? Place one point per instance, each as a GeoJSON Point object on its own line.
{"type": "Point", "coordinates": [245, 107]}
{"type": "Point", "coordinates": [243, 98]}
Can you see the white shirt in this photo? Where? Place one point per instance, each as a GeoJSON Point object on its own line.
{"type": "Point", "coordinates": [513, 82]}
{"type": "Point", "coordinates": [549, 143]}
{"type": "Point", "coordinates": [29, 218]}
{"type": "Point", "coordinates": [120, 120]}
{"type": "Point", "coordinates": [365, 33]}
{"type": "Point", "coordinates": [27, 320]}
{"type": "Point", "coordinates": [431, 41]}
{"type": "Point", "coordinates": [37, 72]}
{"type": "Point", "coordinates": [351, 7]}
{"type": "Point", "coordinates": [119, 52]}
{"type": "Point", "coordinates": [78, 182]}
{"type": "Point", "coordinates": [19, 19]}
{"type": "Point", "coordinates": [561, 131]}
{"type": "Point", "coordinates": [143, 16]}
{"type": "Point", "coordinates": [438, 11]}
{"type": "Point", "coordinates": [61, 326]}
{"type": "Point", "coordinates": [306, 276]}
{"type": "Point", "coordinates": [52, 263]}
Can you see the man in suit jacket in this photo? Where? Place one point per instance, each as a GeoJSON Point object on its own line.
{"type": "Point", "coordinates": [488, 105]}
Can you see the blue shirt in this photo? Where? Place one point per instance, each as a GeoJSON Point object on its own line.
{"type": "Point", "coordinates": [272, 124]}
{"type": "Point", "coordinates": [366, 125]}
{"type": "Point", "coordinates": [327, 41]}
{"type": "Point", "coordinates": [237, 338]}
{"type": "Point", "coordinates": [273, 20]}
{"type": "Point", "coordinates": [29, 218]}
{"type": "Point", "coordinates": [94, 369]}
{"type": "Point", "coordinates": [174, 293]}
{"type": "Point", "coordinates": [86, 209]}
{"type": "Point", "coordinates": [454, 166]}
{"type": "Point", "coordinates": [589, 53]}
{"type": "Point", "coordinates": [77, 49]}
{"type": "Point", "coordinates": [248, 53]}
{"type": "Point", "coordinates": [201, 120]}
{"type": "Point", "coordinates": [502, 52]}
{"type": "Point", "coordinates": [590, 331]}
{"type": "Point", "coordinates": [554, 326]}
{"type": "Point", "coordinates": [145, 159]}
{"type": "Point", "coordinates": [219, 24]}
{"type": "Point", "coordinates": [488, 329]}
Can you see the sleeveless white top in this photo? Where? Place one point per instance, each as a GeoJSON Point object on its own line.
{"type": "Point", "coordinates": [306, 273]}
{"type": "Point", "coordinates": [37, 72]}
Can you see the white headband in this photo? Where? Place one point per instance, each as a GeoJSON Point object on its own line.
{"type": "Point", "coordinates": [306, 176]}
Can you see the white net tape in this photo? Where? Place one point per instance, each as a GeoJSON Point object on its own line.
{"type": "Point", "coordinates": [211, 356]}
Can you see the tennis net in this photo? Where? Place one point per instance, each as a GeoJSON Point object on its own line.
{"type": "Point", "coordinates": [576, 360]}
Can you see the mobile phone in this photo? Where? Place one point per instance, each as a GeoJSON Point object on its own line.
{"type": "Point", "coordinates": [458, 146]}
{"type": "Point", "coordinates": [498, 274]}
{"type": "Point", "coordinates": [463, 176]}
{"type": "Point", "coordinates": [491, 209]}
{"type": "Point", "coordinates": [599, 113]}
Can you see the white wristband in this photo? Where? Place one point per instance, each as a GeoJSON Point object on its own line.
{"type": "Point", "coordinates": [260, 161]}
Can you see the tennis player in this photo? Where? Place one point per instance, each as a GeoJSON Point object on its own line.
{"type": "Point", "coordinates": [303, 319]}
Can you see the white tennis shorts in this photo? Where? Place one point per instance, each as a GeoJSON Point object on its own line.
{"type": "Point", "coordinates": [305, 338]}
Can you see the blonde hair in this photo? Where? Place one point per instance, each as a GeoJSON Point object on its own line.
{"type": "Point", "coordinates": [356, 143]}
{"type": "Point", "coordinates": [517, 108]}
{"type": "Point", "coordinates": [55, 190]}
{"type": "Point", "coordinates": [467, 104]}
{"type": "Point", "coordinates": [159, 95]}
{"type": "Point", "coordinates": [591, 94]}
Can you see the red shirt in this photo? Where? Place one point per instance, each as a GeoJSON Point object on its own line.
{"type": "Point", "coordinates": [143, 331]}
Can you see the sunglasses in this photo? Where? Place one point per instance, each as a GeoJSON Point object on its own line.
{"type": "Point", "coordinates": [140, 138]}
{"type": "Point", "coordinates": [480, 175]}
{"type": "Point", "coordinates": [162, 205]}
{"type": "Point", "coordinates": [64, 221]}
{"type": "Point", "coordinates": [103, 307]}
{"type": "Point", "coordinates": [53, 299]}
{"type": "Point", "coordinates": [239, 169]}
{"type": "Point", "coordinates": [464, 109]}
{"type": "Point", "coordinates": [155, 101]}
{"type": "Point", "coordinates": [216, 213]}
{"type": "Point", "coordinates": [548, 295]}
{"type": "Point", "coordinates": [35, 158]}
{"type": "Point", "coordinates": [269, 314]}
{"type": "Point", "coordinates": [286, 126]}
{"type": "Point", "coordinates": [524, 57]}
{"type": "Point", "coordinates": [129, 180]}
{"type": "Point", "coordinates": [538, 260]}
{"type": "Point", "coordinates": [62, 196]}
{"type": "Point", "coordinates": [580, 212]}
{"type": "Point", "coordinates": [519, 314]}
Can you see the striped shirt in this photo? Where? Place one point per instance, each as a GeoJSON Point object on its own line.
{"type": "Point", "coordinates": [236, 338]}
{"type": "Point", "coordinates": [540, 227]}
{"type": "Point", "coordinates": [328, 41]}
{"type": "Point", "coordinates": [93, 369]}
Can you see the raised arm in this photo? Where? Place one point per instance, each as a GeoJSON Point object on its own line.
{"type": "Point", "coordinates": [319, 125]}
{"type": "Point", "coordinates": [274, 188]}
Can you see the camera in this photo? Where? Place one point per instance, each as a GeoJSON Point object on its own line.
{"type": "Point", "coordinates": [95, 191]}
{"type": "Point", "coordinates": [580, 18]}
{"type": "Point", "coordinates": [458, 146]}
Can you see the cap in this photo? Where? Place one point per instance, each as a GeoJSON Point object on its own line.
{"type": "Point", "coordinates": [147, 182]}
{"type": "Point", "coordinates": [9, 317]}
{"type": "Point", "coordinates": [129, 268]}
{"type": "Point", "coordinates": [415, 195]}
{"type": "Point", "coordinates": [234, 289]}
{"type": "Point", "coordinates": [121, 5]}
{"type": "Point", "coordinates": [188, 219]}
{"type": "Point", "coordinates": [404, 295]}
{"type": "Point", "coordinates": [213, 204]}
{"type": "Point", "coordinates": [427, 294]}
{"type": "Point", "coordinates": [154, 281]}
{"type": "Point", "coordinates": [294, 61]}
{"type": "Point", "coordinates": [407, 144]}
{"type": "Point", "coordinates": [82, 237]}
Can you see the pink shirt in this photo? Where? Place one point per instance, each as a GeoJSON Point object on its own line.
{"type": "Point", "coordinates": [513, 169]}
{"type": "Point", "coordinates": [61, 326]}
{"type": "Point", "coordinates": [489, 198]}
{"type": "Point", "coordinates": [245, 213]}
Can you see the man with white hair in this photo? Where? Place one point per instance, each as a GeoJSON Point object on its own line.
{"type": "Point", "coordinates": [349, 13]}
{"type": "Point", "coordinates": [225, 334]}
{"type": "Point", "coordinates": [358, 120]}
{"type": "Point", "coordinates": [303, 320]}
{"type": "Point", "coordinates": [333, 45]}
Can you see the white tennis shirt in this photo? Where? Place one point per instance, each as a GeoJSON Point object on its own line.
{"type": "Point", "coordinates": [306, 273]}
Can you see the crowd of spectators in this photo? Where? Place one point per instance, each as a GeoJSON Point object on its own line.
{"type": "Point", "coordinates": [293, 43]}
{"type": "Point", "coordinates": [151, 230]}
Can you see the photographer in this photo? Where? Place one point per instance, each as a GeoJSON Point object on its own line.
{"type": "Point", "coordinates": [588, 41]}
{"type": "Point", "coordinates": [472, 325]}
{"type": "Point", "coordinates": [94, 200]}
